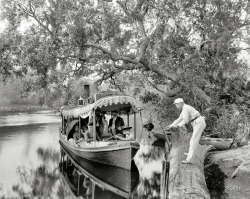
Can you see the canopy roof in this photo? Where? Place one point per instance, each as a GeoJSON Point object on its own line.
{"type": "Point", "coordinates": [124, 104]}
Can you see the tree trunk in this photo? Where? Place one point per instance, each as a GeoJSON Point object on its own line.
{"type": "Point", "coordinates": [186, 180]}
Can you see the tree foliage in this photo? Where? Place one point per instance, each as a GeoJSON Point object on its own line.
{"type": "Point", "coordinates": [191, 47]}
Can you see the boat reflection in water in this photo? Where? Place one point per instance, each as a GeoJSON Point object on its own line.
{"type": "Point", "coordinates": [88, 179]}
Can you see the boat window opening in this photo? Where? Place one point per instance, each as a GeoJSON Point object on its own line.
{"type": "Point", "coordinates": [80, 101]}
{"type": "Point", "coordinates": [90, 100]}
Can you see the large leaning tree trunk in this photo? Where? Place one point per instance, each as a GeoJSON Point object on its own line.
{"type": "Point", "coordinates": [186, 180]}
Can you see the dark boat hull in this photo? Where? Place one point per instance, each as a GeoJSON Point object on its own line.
{"type": "Point", "coordinates": [119, 155]}
{"type": "Point", "coordinates": [117, 180]}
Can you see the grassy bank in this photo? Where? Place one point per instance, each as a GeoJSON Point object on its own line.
{"type": "Point", "coordinates": [22, 108]}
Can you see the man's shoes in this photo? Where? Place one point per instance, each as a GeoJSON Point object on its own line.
{"type": "Point", "coordinates": [185, 153]}
{"type": "Point", "coordinates": [186, 162]}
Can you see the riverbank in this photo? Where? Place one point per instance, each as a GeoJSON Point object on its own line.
{"type": "Point", "coordinates": [22, 108]}
{"type": "Point", "coordinates": [229, 172]}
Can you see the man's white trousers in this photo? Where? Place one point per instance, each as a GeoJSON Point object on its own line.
{"type": "Point", "coordinates": [198, 127]}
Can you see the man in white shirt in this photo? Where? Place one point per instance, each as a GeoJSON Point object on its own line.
{"type": "Point", "coordinates": [189, 114]}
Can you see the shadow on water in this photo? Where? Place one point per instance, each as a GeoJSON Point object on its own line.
{"type": "Point", "coordinates": [215, 180]}
{"type": "Point", "coordinates": [142, 181]}
{"type": "Point", "coordinates": [79, 177]}
{"type": "Point", "coordinates": [94, 180]}
{"type": "Point", "coordinates": [40, 181]}
{"type": "Point", "coordinates": [149, 162]}
{"type": "Point", "coordinates": [30, 156]}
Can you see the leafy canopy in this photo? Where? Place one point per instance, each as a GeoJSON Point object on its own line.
{"type": "Point", "coordinates": [192, 47]}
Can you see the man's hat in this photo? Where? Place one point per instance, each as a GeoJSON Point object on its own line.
{"type": "Point", "coordinates": [178, 100]}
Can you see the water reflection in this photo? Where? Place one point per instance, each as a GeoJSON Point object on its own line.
{"type": "Point", "coordinates": [30, 156]}
{"type": "Point", "coordinates": [114, 182]}
{"type": "Point", "coordinates": [24, 152]}
{"type": "Point", "coordinates": [94, 180]}
{"type": "Point", "coordinates": [149, 162]}
{"type": "Point", "coordinates": [41, 181]}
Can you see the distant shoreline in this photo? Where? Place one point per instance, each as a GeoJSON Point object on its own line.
{"type": "Point", "coordinates": [22, 108]}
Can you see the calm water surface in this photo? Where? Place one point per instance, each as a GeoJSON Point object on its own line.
{"type": "Point", "coordinates": [30, 157]}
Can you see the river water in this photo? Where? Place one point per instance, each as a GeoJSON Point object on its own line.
{"type": "Point", "coordinates": [30, 156]}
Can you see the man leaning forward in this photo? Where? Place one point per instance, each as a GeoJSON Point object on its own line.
{"type": "Point", "coordinates": [189, 114]}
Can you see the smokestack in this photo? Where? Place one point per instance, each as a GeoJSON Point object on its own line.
{"type": "Point", "coordinates": [86, 92]}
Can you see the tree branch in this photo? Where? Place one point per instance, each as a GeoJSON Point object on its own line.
{"type": "Point", "coordinates": [145, 41]}
{"type": "Point", "coordinates": [31, 12]}
{"type": "Point", "coordinates": [169, 93]}
{"type": "Point", "coordinates": [112, 56]}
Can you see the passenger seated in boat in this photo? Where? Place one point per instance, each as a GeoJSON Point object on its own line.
{"type": "Point", "coordinates": [129, 136]}
{"type": "Point", "coordinates": [77, 136]}
{"type": "Point", "coordinates": [98, 124]}
{"type": "Point", "coordinates": [104, 128]}
{"type": "Point", "coordinates": [88, 135]}
{"type": "Point", "coordinates": [116, 123]}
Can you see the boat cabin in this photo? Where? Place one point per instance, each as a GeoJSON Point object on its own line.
{"type": "Point", "coordinates": [97, 110]}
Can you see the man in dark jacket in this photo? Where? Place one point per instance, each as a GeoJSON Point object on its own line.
{"type": "Point", "coordinates": [116, 123]}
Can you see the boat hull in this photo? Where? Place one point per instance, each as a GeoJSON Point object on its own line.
{"type": "Point", "coordinates": [218, 143]}
{"type": "Point", "coordinates": [117, 180]}
{"type": "Point", "coordinates": [119, 155]}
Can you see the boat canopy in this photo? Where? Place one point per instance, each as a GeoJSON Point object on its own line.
{"type": "Point", "coordinates": [124, 104]}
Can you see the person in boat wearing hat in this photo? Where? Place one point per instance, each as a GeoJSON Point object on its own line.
{"type": "Point", "coordinates": [189, 114]}
{"type": "Point", "coordinates": [116, 123]}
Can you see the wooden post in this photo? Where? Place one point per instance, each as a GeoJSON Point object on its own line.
{"type": "Point", "coordinates": [80, 125]}
{"type": "Point", "coordinates": [164, 179]}
{"type": "Point", "coordinates": [63, 124]}
{"type": "Point", "coordinates": [66, 163]}
{"type": "Point", "coordinates": [93, 190]}
{"type": "Point", "coordinates": [186, 180]}
{"type": "Point", "coordinates": [62, 161]}
{"type": "Point", "coordinates": [134, 126]}
{"type": "Point", "coordinates": [128, 118]}
{"type": "Point", "coordinates": [94, 126]}
{"type": "Point", "coordinates": [78, 185]}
